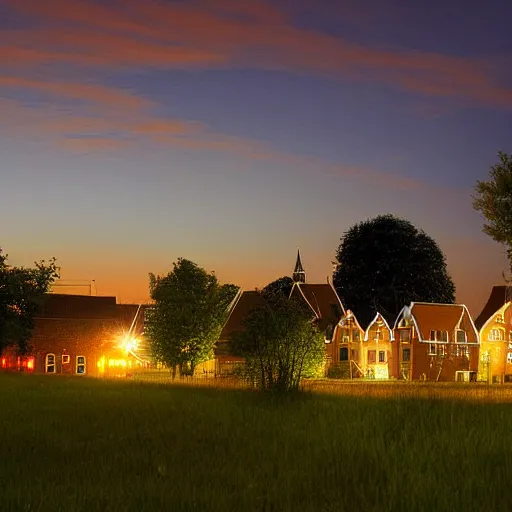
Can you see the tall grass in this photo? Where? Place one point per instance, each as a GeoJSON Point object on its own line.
{"type": "Point", "coordinates": [72, 444]}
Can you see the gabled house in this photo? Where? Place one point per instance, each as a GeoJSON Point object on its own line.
{"type": "Point", "coordinates": [495, 329]}
{"type": "Point", "coordinates": [436, 342]}
{"type": "Point", "coordinates": [242, 305]}
{"type": "Point", "coordinates": [377, 353]}
{"type": "Point", "coordinates": [344, 351]}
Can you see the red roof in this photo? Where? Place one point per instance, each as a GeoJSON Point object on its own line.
{"type": "Point", "coordinates": [242, 307]}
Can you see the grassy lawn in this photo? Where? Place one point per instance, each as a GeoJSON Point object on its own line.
{"type": "Point", "coordinates": [71, 444]}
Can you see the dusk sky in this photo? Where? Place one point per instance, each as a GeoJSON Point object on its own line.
{"type": "Point", "coordinates": [229, 132]}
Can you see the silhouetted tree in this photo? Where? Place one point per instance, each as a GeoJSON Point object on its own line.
{"type": "Point", "coordinates": [493, 199]}
{"type": "Point", "coordinates": [186, 320]}
{"type": "Point", "coordinates": [280, 344]}
{"type": "Point", "coordinates": [283, 286]}
{"type": "Point", "coordinates": [385, 263]}
{"type": "Point", "coordinates": [22, 292]}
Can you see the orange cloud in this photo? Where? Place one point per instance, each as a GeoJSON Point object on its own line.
{"type": "Point", "coordinates": [215, 33]}
{"type": "Point", "coordinates": [91, 93]}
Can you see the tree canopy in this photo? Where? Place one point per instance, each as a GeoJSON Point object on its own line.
{"type": "Point", "coordinates": [283, 286]}
{"type": "Point", "coordinates": [22, 292]}
{"type": "Point", "coordinates": [280, 344]}
{"type": "Point", "coordinates": [385, 263]}
{"type": "Point", "coordinates": [189, 311]}
{"type": "Point", "coordinates": [493, 199]}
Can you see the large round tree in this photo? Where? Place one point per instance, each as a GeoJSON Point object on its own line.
{"type": "Point", "coordinates": [385, 263]}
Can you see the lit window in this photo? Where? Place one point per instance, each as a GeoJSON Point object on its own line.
{"type": "Point", "coordinates": [382, 356]}
{"type": "Point", "coordinates": [496, 335]}
{"type": "Point", "coordinates": [372, 356]}
{"type": "Point", "coordinates": [66, 358]}
{"type": "Point", "coordinates": [80, 365]}
{"type": "Point", "coordinates": [432, 349]}
{"type": "Point", "coordinates": [50, 363]}
{"type": "Point", "coordinates": [355, 335]}
{"type": "Point", "coordinates": [406, 354]}
{"type": "Point", "coordinates": [441, 350]}
{"type": "Point", "coordinates": [509, 357]}
{"type": "Point", "coordinates": [460, 336]}
{"type": "Point", "coordinates": [499, 319]}
{"type": "Point", "coordinates": [377, 336]}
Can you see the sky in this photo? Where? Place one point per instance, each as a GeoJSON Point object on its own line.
{"type": "Point", "coordinates": [228, 132]}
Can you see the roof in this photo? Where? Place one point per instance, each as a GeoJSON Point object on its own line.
{"type": "Point", "coordinates": [78, 306]}
{"type": "Point", "coordinates": [376, 318]}
{"type": "Point", "coordinates": [440, 317]}
{"type": "Point", "coordinates": [322, 299]}
{"type": "Point", "coordinates": [246, 302]}
{"type": "Point", "coordinates": [498, 297]}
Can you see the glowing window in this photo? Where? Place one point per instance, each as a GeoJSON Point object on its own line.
{"type": "Point", "coordinates": [432, 349]}
{"type": "Point", "coordinates": [49, 366]}
{"type": "Point", "coordinates": [80, 365]}
{"type": "Point", "coordinates": [496, 335]}
{"type": "Point", "coordinates": [66, 358]}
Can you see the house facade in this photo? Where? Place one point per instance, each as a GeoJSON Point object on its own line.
{"type": "Point", "coordinates": [377, 354]}
{"type": "Point", "coordinates": [83, 335]}
{"type": "Point", "coordinates": [435, 342]}
{"type": "Point", "coordinates": [495, 362]}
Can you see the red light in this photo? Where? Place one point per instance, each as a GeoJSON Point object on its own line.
{"type": "Point", "coordinates": [4, 362]}
{"type": "Point", "coordinates": [30, 363]}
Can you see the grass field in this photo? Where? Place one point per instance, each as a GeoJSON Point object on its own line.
{"type": "Point", "coordinates": [72, 444]}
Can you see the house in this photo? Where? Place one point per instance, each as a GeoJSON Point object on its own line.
{"type": "Point", "coordinates": [377, 352]}
{"type": "Point", "coordinates": [344, 351]}
{"type": "Point", "coordinates": [436, 342]}
{"type": "Point", "coordinates": [83, 335]}
{"type": "Point", "coordinates": [242, 305]}
{"type": "Point", "coordinates": [495, 329]}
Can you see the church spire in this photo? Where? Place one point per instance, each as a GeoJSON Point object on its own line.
{"type": "Point", "coordinates": [299, 274]}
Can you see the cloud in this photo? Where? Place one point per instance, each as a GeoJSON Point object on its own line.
{"type": "Point", "coordinates": [221, 33]}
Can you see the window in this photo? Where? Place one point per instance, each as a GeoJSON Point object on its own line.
{"type": "Point", "coordinates": [496, 335]}
{"type": "Point", "coordinates": [500, 319]}
{"type": "Point", "coordinates": [405, 335]}
{"type": "Point", "coordinates": [343, 354]}
{"type": "Point", "coordinates": [372, 355]}
{"type": "Point", "coordinates": [460, 336]}
{"type": "Point", "coordinates": [432, 349]}
{"type": "Point", "coordinates": [49, 366]}
{"type": "Point", "coordinates": [66, 358]}
{"type": "Point", "coordinates": [441, 350]}
{"type": "Point", "coordinates": [509, 357]}
{"type": "Point", "coordinates": [80, 365]}
{"type": "Point", "coordinates": [406, 354]}
{"type": "Point", "coordinates": [355, 335]}
{"type": "Point", "coordinates": [377, 335]}
{"type": "Point", "coordinates": [432, 336]}
{"type": "Point", "coordinates": [382, 356]}
{"type": "Point", "coordinates": [328, 333]}
{"type": "Point", "coordinates": [442, 336]}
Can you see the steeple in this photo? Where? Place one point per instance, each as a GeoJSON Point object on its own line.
{"type": "Point", "coordinates": [299, 274]}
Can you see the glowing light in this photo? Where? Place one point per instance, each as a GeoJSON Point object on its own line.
{"type": "Point", "coordinates": [129, 344]}
{"type": "Point", "coordinates": [4, 362]}
{"type": "Point", "coordinates": [30, 364]}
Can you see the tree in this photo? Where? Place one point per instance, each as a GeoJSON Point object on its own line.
{"type": "Point", "coordinates": [22, 292]}
{"type": "Point", "coordinates": [493, 199]}
{"type": "Point", "coordinates": [190, 309]}
{"type": "Point", "coordinates": [384, 264]}
{"type": "Point", "coordinates": [280, 344]}
{"type": "Point", "coordinates": [283, 286]}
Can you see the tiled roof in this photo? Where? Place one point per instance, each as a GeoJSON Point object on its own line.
{"type": "Point", "coordinates": [442, 317]}
{"type": "Point", "coordinates": [78, 306]}
{"type": "Point", "coordinates": [322, 299]}
{"type": "Point", "coordinates": [235, 322]}
{"type": "Point", "coordinates": [498, 297]}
